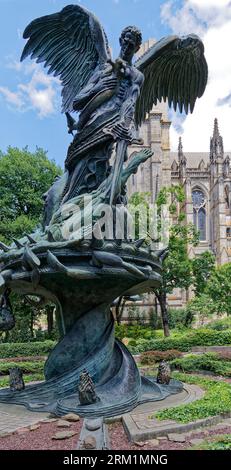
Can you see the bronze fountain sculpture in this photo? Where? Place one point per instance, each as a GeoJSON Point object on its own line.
{"type": "Point", "coordinates": [70, 262]}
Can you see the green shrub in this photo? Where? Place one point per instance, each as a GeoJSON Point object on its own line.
{"type": "Point", "coordinates": [209, 362]}
{"type": "Point", "coordinates": [133, 343]}
{"type": "Point", "coordinates": [184, 342]}
{"type": "Point", "coordinates": [136, 332]}
{"type": "Point", "coordinates": [26, 367]}
{"type": "Point", "coordinates": [217, 400]}
{"type": "Point", "coordinates": [26, 349]}
{"type": "Point", "coordinates": [179, 318]}
{"type": "Point", "coordinates": [220, 325]}
{"type": "Point", "coordinates": [4, 381]}
{"type": "Point", "coordinates": [151, 357]}
{"type": "Point", "coordinates": [155, 321]}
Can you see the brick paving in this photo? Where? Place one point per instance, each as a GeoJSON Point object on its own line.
{"type": "Point", "coordinates": [13, 417]}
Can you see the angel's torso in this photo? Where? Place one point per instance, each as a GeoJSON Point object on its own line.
{"type": "Point", "coordinates": [123, 96]}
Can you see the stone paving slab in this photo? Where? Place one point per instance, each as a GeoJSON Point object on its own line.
{"type": "Point", "coordinates": [188, 394]}
{"type": "Point", "coordinates": [139, 426]}
{"type": "Point", "coordinates": [163, 428]}
{"type": "Point", "coordinates": [13, 417]}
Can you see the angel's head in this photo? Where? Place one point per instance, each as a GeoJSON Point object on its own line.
{"type": "Point", "coordinates": [130, 42]}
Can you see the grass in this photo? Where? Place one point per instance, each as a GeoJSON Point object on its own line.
{"type": "Point", "coordinates": [217, 400]}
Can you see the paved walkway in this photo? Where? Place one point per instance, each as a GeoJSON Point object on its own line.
{"type": "Point", "coordinates": [13, 417]}
{"type": "Point", "coordinates": [139, 424]}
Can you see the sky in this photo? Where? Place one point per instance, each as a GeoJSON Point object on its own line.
{"type": "Point", "coordinates": [30, 103]}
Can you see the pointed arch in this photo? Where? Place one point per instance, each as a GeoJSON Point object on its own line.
{"type": "Point", "coordinates": [199, 201]}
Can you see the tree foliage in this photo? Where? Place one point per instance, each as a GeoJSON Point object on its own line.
{"type": "Point", "coordinates": [177, 272]}
{"type": "Point", "coordinates": [203, 266]}
{"type": "Point", "coordinates": [216, 297]}
{"type": "Point", "coordinates": [24, 178]}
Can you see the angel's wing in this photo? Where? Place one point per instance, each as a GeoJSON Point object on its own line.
{"type": "Point", "coordinates": [174, 68]}
{"type": "Point", "coordinates": [72, 43]}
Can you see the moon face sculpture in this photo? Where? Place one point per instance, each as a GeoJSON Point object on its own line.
{"type": "Point", "coordinates": [67, 263]}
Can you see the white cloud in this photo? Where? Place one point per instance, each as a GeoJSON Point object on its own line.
{"type": "Point", "coordinates": [12, 98]}
{"type": "Point", "coordinates": [210, 3]}
{"type": "Point", "coordinates": [212, 21]}
{"type": "Point", "coordinates": [181, 21]}
{"type": "Point", "coordinates": [14, 65]}
{"type": "Point", "coordinates": [40, 92]}
{"type": "Point", "coordinates": [36, 90]}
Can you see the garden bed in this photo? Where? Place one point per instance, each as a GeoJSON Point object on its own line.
{"type": "Point", "coordinates": [41, 438]}
{"type": "Point", "coordinates": [119, 440]}
{"type": "Point", "coordinates": [216, 401]}
{"type": "Point", "coordinates": [211, 363]}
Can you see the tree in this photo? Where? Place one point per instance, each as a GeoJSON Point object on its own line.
{"type": "Point", "coordinates": [202, 306]}
{"type": "Point", "coordinates": [177, 271]}
{"type": "Point", "coordinates": [219, 289]}
{"type": "Point", "coordinates": [216, 298]}
{"type": "Point", "coordinates": [139, 208]}
{"type": "Point", "coordinates": [203, 266]}
{"type": "Point", "coordinates": [24, 178]}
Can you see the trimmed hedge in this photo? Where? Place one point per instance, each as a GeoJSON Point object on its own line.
{"type": "Point", "coordinates": [26, 367]}
{"type": "Point", "coordinates": [184, 342]}
{"type": "Point", "coordinates": [209, 362]}
{"type": "Point", "coordinates": [26, 349]}
{"type": "Point", "coordinates": [151, 357]}
{"type": "Point", "coordinates": [136, 332]}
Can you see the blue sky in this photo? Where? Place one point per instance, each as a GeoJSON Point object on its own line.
{"type": "Point", "coordinates": [30, 101]}
{"type": "Point", "coordinates": [21, 127]}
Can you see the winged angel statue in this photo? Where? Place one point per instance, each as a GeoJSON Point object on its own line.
{"type": "Point", "coordinates": [111, 97]}
{"type": "Point", "coordinates": [84, 277]}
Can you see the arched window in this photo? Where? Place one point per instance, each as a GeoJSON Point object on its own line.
{"type": "Point", "coordinates": [199, 212]}
{"type": "Point", "coordinates": [227, 197]}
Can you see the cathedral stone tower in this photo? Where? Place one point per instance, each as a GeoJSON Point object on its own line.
{"type": "Point", "coordinates": [205, 177]}
{"type": "Point", "coordinates": [156, 172]}
{"type": "Point", "coordinates": [220, 178]}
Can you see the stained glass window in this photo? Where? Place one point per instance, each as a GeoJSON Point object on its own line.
{"type": "Point", "coordinates": [202, 223]}
{"type": "Point", "coordinates": [199, 212]}
{"type": "Point", "coordinates": [198, 198]}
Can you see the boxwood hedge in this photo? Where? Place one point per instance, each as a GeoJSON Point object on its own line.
{"type": "Point", "coordinates": [26, 367]}
{"type": "Point", "coordinates": [184, 342]}
{"type": "Point", "coordinates": [26, 349]}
